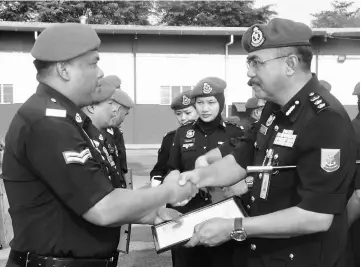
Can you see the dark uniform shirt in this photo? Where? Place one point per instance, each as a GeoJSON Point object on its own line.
{"type": "Point", "coordinates": [313, 132]}
{"type": "Point", "coordinates": [190, 142]}
{"type": "Point", "coordinates": [53, 175]}
{"type": "Point", "coordinates": [161, 167]}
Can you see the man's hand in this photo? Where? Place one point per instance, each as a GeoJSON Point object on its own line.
{"type": "Point", "coordinates": [179, 192]}
{"type": "Point", "coordinates": [201, 162]}
{"type": "Point", "coordinates": [190, 176]}
{"type": "Point", "coordinates": [238, 189]}
{"type": "Point", "coordinates": [212, 232]}
{"type": "Point", "coordinates": [165, 214]}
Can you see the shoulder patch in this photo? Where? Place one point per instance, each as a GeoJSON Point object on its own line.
{"type": "Point", "coordinates": [50, 112]}
{"type": "Point", "coordinates": [317, 102]}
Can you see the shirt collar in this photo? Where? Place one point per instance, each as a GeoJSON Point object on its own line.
{"type": "Point", "coordinates": [72, 110]}
{"type": "Point", "coordinates": [222, 124]}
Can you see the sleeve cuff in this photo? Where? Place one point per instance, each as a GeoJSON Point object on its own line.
{"type": "Point", "coordinates": [324, 203]}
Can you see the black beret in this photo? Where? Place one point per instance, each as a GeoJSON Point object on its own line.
{"type": "Point", "coordinates": [183, 100]}
{"type": "Point", "coordinates": [65, 41]}
{"type": "Point", "coordinates": [209, 86]}
{"type": "Point", "coordinates": [277, 33]}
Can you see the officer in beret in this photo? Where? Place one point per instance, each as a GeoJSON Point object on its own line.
{"type": "Point", "coordinates": [254, 109]}
{"type": "Point", "coordinates": [297, 215]}
{"type": "Point", "coordinates": [353, 205]}
{"type": "Point", "coordinates": [326, 85]}
{"type": "Point", "coordinates": [191, 141]}
{"type": "Point", "coordinates": [64, 207]}
{"type": "Point", "coordinates": [184, 111]}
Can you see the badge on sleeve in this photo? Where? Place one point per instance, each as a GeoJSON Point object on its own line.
{"type": "Point", "coordinates": [75, 157]}
{"type": "Point", "coordinates": [190, 133]}
{"type": "Point", "coordinates": [330, 159]}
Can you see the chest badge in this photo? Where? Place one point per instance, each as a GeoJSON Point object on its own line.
{"type": "Point", "coordinates": [270, 120]}
{"type": "Point", "coordinates": [330, 159]}
{"type": "Point", "coordinates": [78, 118]}
{"type": "Point", "coordinates": [190, 133]}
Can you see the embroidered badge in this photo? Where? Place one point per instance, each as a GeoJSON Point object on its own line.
{"type": "Point", "coordinates": [75, 157]}
{"type": "Point", "coordinates": [270, 120]}
{"type": "Point", "coordinates": [186, 101]}
{"type": "Point", "coordinates": [78, 118]}
{"type": "Point", "coordinates": [207, 88]}
{"type": "Point", "coordinates": [257, 37]}
{"type": "Point", "coordinates": [330, 159]}
{"type": "Point", "coordinates": [190, 133]}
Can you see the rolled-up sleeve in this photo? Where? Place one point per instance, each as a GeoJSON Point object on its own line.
{"type": "Point", "coordinates": [60, 156]}
{"type": "Point", "coordinates": [326, 163]}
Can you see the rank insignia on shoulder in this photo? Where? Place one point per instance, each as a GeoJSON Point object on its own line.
{"type": "Point", "coordinates": [190, 133]}
{"type": "Point", "coordinates": [330, 159]}
{"type": "Point", "coordinates": [317, 102]}
{"type": "Point", "coordinates": [50, 112]}
{"type": "Point", "coordinates": [75, 157]}
{"type": "Point", "coordinates": [78, 118]}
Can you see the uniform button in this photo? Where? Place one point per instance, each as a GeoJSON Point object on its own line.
{"type": "Point", "coordinates": [204, 147]}
{"type": "Point", "coordinates": [255, 144]}
{"type": "Point", "coordinates": [253, 247]}
{"type": "Point", "coordinates": [276, 128]}
{"type": "Point", "coordinates": [275, 156]}
{"type": "Point", "coordinates": [297, 102]}
{"type": "Point", "coordinates": [291, 256]}
{"type": "Point", "coordinates": [248, 206]}
{"type": "Point", "coordinates": [205, 135]}
{"type": "Point", "coordinates": [260, 176]}
{"type": "Point", "coordinates": [253, 199]}
{"type": "Point", "coordinates": [53, 100]}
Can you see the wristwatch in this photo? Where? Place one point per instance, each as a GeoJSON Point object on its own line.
{"type": "Point", "coordinates": [238, 234]}
{"type": "Point", "coordinates": [249, 182]}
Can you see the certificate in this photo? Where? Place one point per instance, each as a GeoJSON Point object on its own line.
{"type": "Point", "coordinates": [169, 234]}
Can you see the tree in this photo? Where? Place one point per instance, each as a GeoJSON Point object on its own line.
{"type": "Point", "coordinates": [339, 17]}
{"type": "Point", "coordinates": [98, 12]}
{"type": "Point", "coordinates": [212, 13]}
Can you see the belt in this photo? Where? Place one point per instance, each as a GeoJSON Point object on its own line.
{"type": "Point", "coordinates": [33, 260]}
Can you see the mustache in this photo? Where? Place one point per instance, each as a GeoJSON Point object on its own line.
{"type": "Point", "coordinates": [252, 81]}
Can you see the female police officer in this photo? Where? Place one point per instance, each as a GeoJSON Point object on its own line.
{"type": "Point", "coordinates": [184, 110]}
{"type": "Point", "coordinates": [191, 141]}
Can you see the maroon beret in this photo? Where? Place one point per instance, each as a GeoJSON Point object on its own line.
{"type": "Point", "coordinates": [209, 86]}
{"type": "Point", "coordinates": [183, 100]}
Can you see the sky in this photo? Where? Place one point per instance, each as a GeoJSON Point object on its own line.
{"type": "Point", "coordinates": [300, 10]}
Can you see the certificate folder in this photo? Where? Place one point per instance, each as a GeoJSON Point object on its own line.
{"type": "Point", "coordinates": [169, 234]}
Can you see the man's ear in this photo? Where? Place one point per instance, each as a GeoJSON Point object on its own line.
{"type": "Point", "coordinates": [63, 70]}
{"type": "Point", "coordinates": [292, 63]}
{"type": "Point", "coordinates": [90, 109]}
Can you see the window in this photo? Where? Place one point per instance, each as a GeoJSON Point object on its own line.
{"type": "Point", "coordinates": [6, 94]}
{"type": "Point", "coordinates": [168, 93]}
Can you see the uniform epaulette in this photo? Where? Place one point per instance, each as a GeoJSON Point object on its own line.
{"type": "Point", "coordinates": [234, 124]}
{"type": "Point", "coordinates": [318, 103]}
{"type": "Point", "coordinates": [169, 133]}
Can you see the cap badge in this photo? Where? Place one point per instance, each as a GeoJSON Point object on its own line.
{"type": "Point", "coordinates": [186, 101]}
{"type": "Point", "coordinates": [207, 88]}
{"type": "Point", "coordinates": [78, 118]}
{"type": "Point", "coordinates": [257, 38]}
{"type": "Point", "coordinates": [190, 133]}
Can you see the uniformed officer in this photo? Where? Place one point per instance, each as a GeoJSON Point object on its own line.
{"type": "Point", "coordinates": [184, 111]}
{"type": "Point", "coordinates": [254, 109]}
{"type": "Point", "coordinates": [326, 85]}
{"type": "Point", "coordinates": [353, 206]}
{"type": "Point", "coordinates": [298, 215]}
{"type": "Point", "coordinates": [64, 209]}
{"type": "Point", "coordinates": [191, 141]}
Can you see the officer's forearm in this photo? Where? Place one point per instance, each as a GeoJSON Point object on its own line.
{"type": "Point", "coordinates": [123, 206]}
{"type": "Point", "coordinates": [353, 207]}
{"type": "Point", "coordinates": [287, 223]}
{"type": "Point", "coordinates": [224, 172]}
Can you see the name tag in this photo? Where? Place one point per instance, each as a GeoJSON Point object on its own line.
{"type": "Point", "coordinates": [186, 146]}
{"type": "Point", "coordinates": [285, 139]}
{"type": "Point", "coordinates": [50, 112]}
{"type": "Point", "coordinates": [220, 143]}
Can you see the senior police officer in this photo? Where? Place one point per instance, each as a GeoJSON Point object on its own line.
{"type": "Point", "coordinates": [191, 141]}
{"type": "Point", "coordinates": [64, 209]}
{"type": "Point", "coordinates": [184, 111]}
{"type": "Point", "coordinates": [297, 216]}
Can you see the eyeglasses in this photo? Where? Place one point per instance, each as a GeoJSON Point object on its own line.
{"type": "Point", "coordinates": [255, 64]}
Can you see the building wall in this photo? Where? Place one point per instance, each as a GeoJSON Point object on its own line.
{"type": "Point", "coordinates": [145, 63]}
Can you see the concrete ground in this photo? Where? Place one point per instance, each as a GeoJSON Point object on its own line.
{"type": "Point", "coordinates": [142, 253]}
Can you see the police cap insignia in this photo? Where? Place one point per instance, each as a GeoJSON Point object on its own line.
{"type": "Point", "coordinates": [186, 101]}
{"type": "Point", "coordinates": [257, 38]}
{"type": "Point", "coordinates": [207, 88]}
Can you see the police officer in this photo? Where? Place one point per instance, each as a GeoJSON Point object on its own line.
{"type": "Point", "coordinates": [353, 205]}
{"type": "Point", "coordinates": [64, 209]}
{"type": "Point", "coordinates": [254, 109]}
{"type": "Point", "coordinates": [184, 111]}
{"type": "Point", "coordinates": [191, 141]}
{"type": "Point", "coordinates": [298, 215]}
